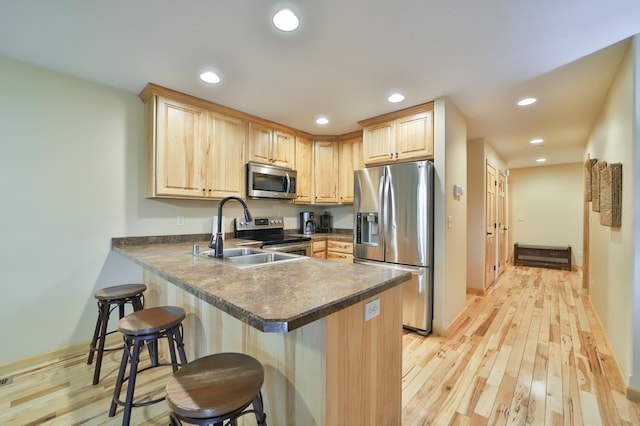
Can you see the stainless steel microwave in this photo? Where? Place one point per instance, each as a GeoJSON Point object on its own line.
{"type": "Point", "coordinates": [271, 182]}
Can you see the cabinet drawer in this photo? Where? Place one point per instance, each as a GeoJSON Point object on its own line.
{"type": "Point", "coordinates": [340, 246]}
{"type": "Point", "coordinates": [340, 257]}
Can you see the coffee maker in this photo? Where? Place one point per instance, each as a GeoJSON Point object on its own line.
{"type": "Point", "coordinates": [325, 223]}
{"type": "Point", "coordinates": [307, 223]}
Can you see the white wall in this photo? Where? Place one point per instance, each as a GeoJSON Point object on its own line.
{"type": "Point", "coordinates": [479, 151]}
{"type": "Point", "coordinates": [611, 249]}
{"type": "Point", "coordinates": [71, 156]}
{"type": "Point", "coordinates": [634, 379]}
{"type": "Point", "coordinates": [450, 140]}
{"type": "Point", "coordinates": [546, 206]}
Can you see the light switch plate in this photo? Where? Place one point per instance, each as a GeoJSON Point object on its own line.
{"type": "Point", "coordinates": [371, 309]}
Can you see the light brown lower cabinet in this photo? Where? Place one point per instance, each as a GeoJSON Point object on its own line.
{"type": "Point", "coordinates": [319, 249]}
{"type": "Point", "coordinates": [333, 381]}
{"type": "Point", "coordinates": [340, 251]}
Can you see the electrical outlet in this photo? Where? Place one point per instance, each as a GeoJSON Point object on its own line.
{"type": "Point", "coordinates": [6, 381]}
{"type": "Point", "coordinates": [371, 309]}
{"type": "Point", "coordinates": [180, 220]}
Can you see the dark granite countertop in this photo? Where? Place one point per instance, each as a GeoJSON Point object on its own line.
{"type": "Point", "coordinates": [272, 298]}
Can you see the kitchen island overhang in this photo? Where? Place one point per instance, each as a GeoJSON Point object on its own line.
{"type": "Point", "coordinates": [304, 320]}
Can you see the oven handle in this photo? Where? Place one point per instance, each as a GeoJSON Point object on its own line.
{"type": "Point", "coordinates": [287, 247]}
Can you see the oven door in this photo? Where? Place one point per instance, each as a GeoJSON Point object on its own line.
{"type": "Point", "coordinates": [303, 249]}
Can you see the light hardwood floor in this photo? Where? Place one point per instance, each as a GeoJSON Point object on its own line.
{"type": "Point", "coordinates": [530, 352]}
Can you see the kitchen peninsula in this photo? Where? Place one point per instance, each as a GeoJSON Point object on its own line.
{"type": "Point", "coordinates": [304, 320]}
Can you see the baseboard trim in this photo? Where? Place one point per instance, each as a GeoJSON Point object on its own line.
{"type": "Point", "coordinates": [633, 394]}
{"type": "Point", "coordinates": [476, 291]}
{"type": "Point", "coordinates": [39, 360]}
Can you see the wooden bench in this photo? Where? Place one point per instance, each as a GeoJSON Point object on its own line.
{"type": "Point", "coordinates": [558, 257]}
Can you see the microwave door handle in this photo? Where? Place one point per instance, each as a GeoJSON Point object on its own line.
{"type": "Point", "coordinates": [286, 175]}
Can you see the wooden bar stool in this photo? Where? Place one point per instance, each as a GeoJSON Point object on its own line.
{"type": "Point", "coordinates": [216, 388]}
{"type": "Point", "coordinates": [108, 299]}
{"type": "Point", "coordinates": [140, 329]}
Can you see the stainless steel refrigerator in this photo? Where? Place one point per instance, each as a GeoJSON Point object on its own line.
{"type": "Point", "coordinates": [393, 215]}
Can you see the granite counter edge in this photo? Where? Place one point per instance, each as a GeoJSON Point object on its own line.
{"type": "Point", "coordinates": [282, 325]}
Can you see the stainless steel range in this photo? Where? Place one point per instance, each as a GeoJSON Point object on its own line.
{"type": "Point", "coordinates": [270, 231]}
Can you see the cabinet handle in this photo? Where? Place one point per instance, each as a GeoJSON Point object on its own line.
{"type": "Point", "coordinates": [396, 155]}
{"type": "Point", "coordinates": [391, 155]}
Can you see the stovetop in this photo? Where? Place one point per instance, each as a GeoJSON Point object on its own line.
{"type": "Point", "coordinates": [269, 230]}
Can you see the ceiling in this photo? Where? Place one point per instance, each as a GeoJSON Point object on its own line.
{"type": "Point", "coordinates": [347, 57]}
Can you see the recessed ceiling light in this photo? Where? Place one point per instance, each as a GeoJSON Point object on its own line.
{"type": "Point", "coordinates": [286, 20]}
{"type": "Point", "coordinates": [541, 160]}
{"type": "Point", "coordinates": [527, 101]}
{"type": "Point", "coordinates": [322, 121]}
{"type": "Point", "coordinates": [210, 77]}
{"type": "Point", "coordinates": [395, 98]}
{"type": "Point", "coordinates": [536, 141]}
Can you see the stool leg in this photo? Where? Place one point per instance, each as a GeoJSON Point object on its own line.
{"type": "Point", "coordinates": [180, 345]}
{"type": "Point", "coordinates": [121, 308]}
{"type": "Point", "coordinates": [258, 407]}
{"type": "Point", "coordinates": [104, 315]}
{"type": "Point", "coordinates": [173, 420]}
{"type": "Point", "coordinates": [120, 378]}
{"type": "Point", "coordinates": [172, 349]}
{"type": "Point", "coordinates": [135, 356]}
{"type": "Point", "coordinates": [96, 333]}
{"type": "Point", "coordinates": [137, 303]}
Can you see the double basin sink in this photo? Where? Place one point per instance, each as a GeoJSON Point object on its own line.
{"type": "Point", "coordinates": [246, 257]}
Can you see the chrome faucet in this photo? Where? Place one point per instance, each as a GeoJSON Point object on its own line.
{"type": "Point", "coordinates": [216, 239]}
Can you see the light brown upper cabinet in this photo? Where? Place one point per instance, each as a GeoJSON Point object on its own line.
{"type": "Point", "coordinates": [325, 166]}
{"type": "Point", "coordinates": [404, 135]}
{"type": "Point", "coordinates": [350, 159]}
{"type": "Point", "coordinates": [304, 166]}
{"type": "Point", "coordinates": [271, 146]}
{"type": "Point", "coordinates": [191, 151]}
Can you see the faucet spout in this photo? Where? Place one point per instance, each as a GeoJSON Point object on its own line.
{"type": "Point", "coordinates": [216, 238]}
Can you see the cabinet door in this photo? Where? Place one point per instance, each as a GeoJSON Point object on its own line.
{"type": "Point", "coordinates": [325, 166]}
{"type": "Point", "coordinates": [378, 143]}
{"type": "Point", "coordinates": [283, 149]}
{"type": "Point", "coordinates": [180, 149]}
{"type": "Point", "coordinates": [414, 136]}
{"type": "Point", "coordinates": [350, 160]}
{"type": "Point", "coordinates": [260, 143]}
{"type": "Point", "coordinates": [319, 249]}
{"type": "Point", "coordinates": [225, 165]}
{"type": "Point", "coordinates": [304, 166]}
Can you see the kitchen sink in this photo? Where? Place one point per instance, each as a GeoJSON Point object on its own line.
{"type": "Point", "coordinates": [260, 258]}
{"type": "Point", "coordinates": [246, 257]}
{"type": "Point", "coordinates": [234, 252]}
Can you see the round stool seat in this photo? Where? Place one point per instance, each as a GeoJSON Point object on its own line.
{"type": "Point", "coordinates": [215, 385]}
{"type": "Point", "coordinates": [143, 329]}
{"type": "Point", "coordinates": [152, 320]}
{"type": "Point", "coordinates": [120, 291]}
{"type": "Point", "coordinates": [110, 298]}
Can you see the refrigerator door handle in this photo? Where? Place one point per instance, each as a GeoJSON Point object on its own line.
{"type": "Point", "coordinates": [382, 196]}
